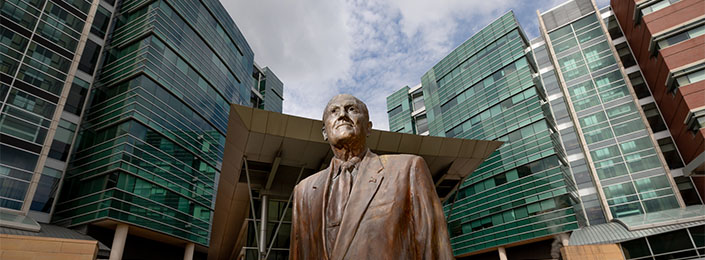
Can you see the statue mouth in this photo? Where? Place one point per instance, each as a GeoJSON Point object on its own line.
{"type": "Point", "coordinates": [343, 124]}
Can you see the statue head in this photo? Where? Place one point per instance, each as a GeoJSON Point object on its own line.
{"type": "Point", "coordinates": [346, 123]}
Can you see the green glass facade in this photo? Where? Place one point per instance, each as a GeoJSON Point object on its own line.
{"type": "Point", "coordinates": [273, 92]}
{"type": "Point", "coordinates": [590, 210]}
{"type": "Point", "coordinates": [399, 111]}
{"type": "Point", "coordinates": [268, 90]}
{"type": "Point", "coordinates": [579, 149]}
{"type": "Point", "coordinates": [152, 140]}
{"type": "Point", "coordinates": [631, 175]}
{"type": "Point", "coordinates": [46, 72]}
{"type": "Point", "coordinates": [486, 89]}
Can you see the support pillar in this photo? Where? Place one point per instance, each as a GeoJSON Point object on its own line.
{"type": "Point", "coordinates": [118, 242]}
{"type": "Point", "coordinates": [263, 226]}
{"type": "Point", "coordinates": [502, 253]}
{"type": "Point", "coordinates": [188, 251]}
{"type": "Point", "coordinates": [565, 238]}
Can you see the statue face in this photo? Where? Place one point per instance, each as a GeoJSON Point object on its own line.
{"type": "Point", "coordinates": [346, 121]}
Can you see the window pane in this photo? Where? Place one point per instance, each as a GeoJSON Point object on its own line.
{"type": "Point", "coordinates": [46, 190]}
{"type": "Point", "coordinates": [89, 57]}
{"type": "Point", "coordinates": [100, 22]}
{"type": "Point", "coordinates": [635, 248]}
{"type": "Point", "coordinates": [13, 189]}
{"type": "Point", "coordinates": [671, 241]}
{"type": "Point", "coordinates": [17, 158]}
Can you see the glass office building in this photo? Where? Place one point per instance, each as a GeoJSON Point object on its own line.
{"type": "Point", "coordinates": [589, 205]}
{"type": "Point", "coordinates": [151, 144]}
{"type": "Point", "coordinates": [630, 174]}
{"type": "Point", "coordinates": [133, 133]}
{"type": "Point", "coordinates": [49, 54]}
{"type": "Point", "coordinates": [267, 90]}
{"type": "Point", "coordinates": [619, 158]}
{"type": "Point", "coordinates": [625, 143]}
{"type": "Point", "coordinates": [666, 37]}
{"type": "Point", "coordinates": [486, 89]}
{"type": "Point", "coordinates": [398, 111]}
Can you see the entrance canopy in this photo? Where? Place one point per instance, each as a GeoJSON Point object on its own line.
{"type": "Point", "coordinates": [279, 148]}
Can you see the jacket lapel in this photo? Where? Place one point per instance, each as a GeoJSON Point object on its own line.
{"type": "Point", "coordinates": [369, 176]}
{"type": "Point", "coordinates": [324, 206]}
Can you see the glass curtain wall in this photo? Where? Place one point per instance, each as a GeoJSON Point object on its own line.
{"type": "Point", "coordinates": [632, 176]}
{"type": "Point", "coordinates": [486, 89]}
{"type": "Point", "coordinates": [43, 87]}
{"type": "Point", "coordinates": [152, 141]}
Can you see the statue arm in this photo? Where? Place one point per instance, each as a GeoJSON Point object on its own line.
{"type": "Point", "coordinates": [295, 240]}
{"type": "Point", "coordinates": [430, 230]}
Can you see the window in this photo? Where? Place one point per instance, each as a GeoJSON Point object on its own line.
{"type": "Point", "coordinates": [635, 248]}
{"type": "Point", "coordinates": [100, 22]}
{"type": "Point", "coordinates": [421, 124]}
{"type": "Point", "coordinates": [625, 55]}
{"type": "Point", "coordinates": [681, 37]}
{"type": "Point", "coordinates": [697, 123]}
{"type": "Point", "coordinates": [657, 6]}
{"type": "Point", "coordinates": [76, 97]}
{"type": "Point", "coordinates": [394, 111]}
{"type": "Point", "coordinates": [418, 101]}
{"type": "Point", "coordinates": [671, 241]}
{"type": "Point", "coordinates": [640, 87]}
{"type": "Point", "coordinates": [89, 57]}
{"type": "Point", "coordinates": [604, 153]}
{"type": "Point", "coordinates": [445, 107]}
{"type": "Point", "coordinates": [654, 117]}
{"type": "Point", "coordinates": [613, 27]}
{"type": "Point", "coordinates": [690, 78]}
{"type": "Point", "coordinates": [61, 145]}
{"type": "Point", "coordinates": [687, 189]}
{"type": "Point", "coordinates": [46, 190]}
{"type": "Point", "coordinates": [17, 158]}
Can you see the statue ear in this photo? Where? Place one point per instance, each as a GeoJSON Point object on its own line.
{"type": "Point", "coordinates": [369, 128]}
{"type": "Point", "coordinates": [325, 135]}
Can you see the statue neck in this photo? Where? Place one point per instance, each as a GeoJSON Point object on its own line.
{"type": "Point", "coordinates": [346, 153]}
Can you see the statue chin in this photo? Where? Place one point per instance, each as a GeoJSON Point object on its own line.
{"type": "Point", "coordinates": [343, 138]}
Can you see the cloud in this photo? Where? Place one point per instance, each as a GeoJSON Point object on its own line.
{"type": "Point", "coordinates": [366, 48]}
{"type": "Point", "coordinates": [306, 43]}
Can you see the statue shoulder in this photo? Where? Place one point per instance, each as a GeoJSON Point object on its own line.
{"type": "Point", "coordinates": [316, 179]}
{"type": "Point", "coordinates": [399, 158]}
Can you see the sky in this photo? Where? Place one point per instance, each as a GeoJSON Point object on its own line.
{"type": "Point", "coordinates": [367, 48]}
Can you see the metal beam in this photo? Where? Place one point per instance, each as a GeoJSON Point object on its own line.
{"type": "Point", "coordinates": [264, 205]}
{"type": "Point", "coordinates": [252, 201]}
{"type": "Point", "coordinates": [273, 172]}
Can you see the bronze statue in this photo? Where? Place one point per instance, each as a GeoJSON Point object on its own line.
{"type": "Point", "coordinates": [365, 206]}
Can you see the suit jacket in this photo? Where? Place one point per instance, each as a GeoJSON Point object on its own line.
{"type": "Point", "coordinates": [393, 212]}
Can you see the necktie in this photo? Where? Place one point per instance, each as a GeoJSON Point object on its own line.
{"type": "Point", "coordinates": [339, 194]}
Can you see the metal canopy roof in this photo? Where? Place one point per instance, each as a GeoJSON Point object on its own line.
{"type": "Point", "coordinates": [633, 227]}
{"type": "Point", "coordinates": [298, 142]}
{"type": "Point", "coordinates": [664, 217]}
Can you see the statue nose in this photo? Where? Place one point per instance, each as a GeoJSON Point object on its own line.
{"type": "Point", "coordinates": [344, 117]}
{"type": "Point", "coordinates": [342, 113]}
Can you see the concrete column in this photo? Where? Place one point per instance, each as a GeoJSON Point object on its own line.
{"type": "Point", "coordinates": [118, 242]}
{"type": "Point", "coordinates": [565, 238]}
{"type": "Point", "coordinates": [502, 253]}
{"type": "Point", "coordinates": [263, 226]}
{"type": "Point", "coordinates": [188, 252]}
